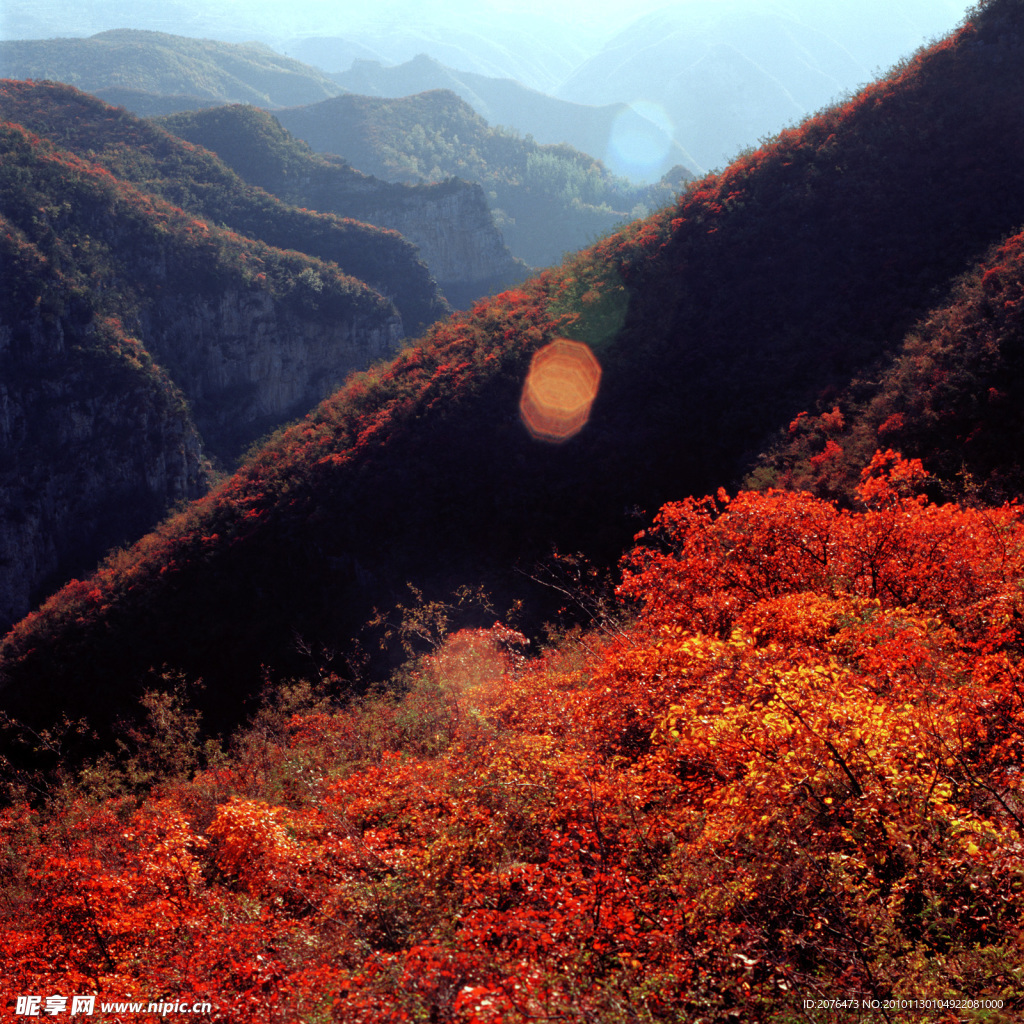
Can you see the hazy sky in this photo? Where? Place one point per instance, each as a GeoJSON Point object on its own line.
{"type": "Point", "coordinates": [762, 63]}
{"type": "Point", "coordinates": [591, 21]}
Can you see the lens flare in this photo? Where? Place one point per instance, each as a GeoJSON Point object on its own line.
{"type": "Point", "coordinates": [640, 141]}
{"type": "Point", "coordinates": [559, 390]}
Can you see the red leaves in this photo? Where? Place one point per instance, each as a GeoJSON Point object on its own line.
{"type": "Point", "coordinates": [798, 768]}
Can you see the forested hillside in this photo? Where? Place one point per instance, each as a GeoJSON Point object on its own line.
{"type": "Point", "coordinates": [484, 694]}
{"type": "Point", "coordinates": [778, 781]}
{"type": "Point", "coordinates": [716, 322]}
{"type": "Point", "coordinates": [136, 151]}
{"type": "Point", "coordinates": [449, 221]}
{"type": "Point", "coordinates": [547, 200]}
{"type": "Point", "coordinates": [950, 396]}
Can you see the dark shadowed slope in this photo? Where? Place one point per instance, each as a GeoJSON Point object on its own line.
{"type": "Point", "coordinates": [952, 396]}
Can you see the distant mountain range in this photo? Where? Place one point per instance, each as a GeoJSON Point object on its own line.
{"type": "Point", "coordinates": [449, 221]}
{"type": "Point", "coordinates": [621, 137]}
{"type": "Point", "coordinates": [689, 84]}
{"type": "Point", "coordinates": [547, 200]}
{"type": "Point", "coordinates": [723, 75]}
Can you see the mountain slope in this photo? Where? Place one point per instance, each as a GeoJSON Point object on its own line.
{"type": "Point", "coordinates": [715, 321]}
{"type": "Point", "coordinates": [449, 221]}
{"type": "Point", "coordinates": [951, 396]}
{"type": "Point", "coordinates": [158, 63]}
{"type": "Point", "coordinates": [547, 200]}
{"type": "Point", "coordinates": [789, 768]}
{"type": "Point", "coordinates": [96, 442]}
{"type": "Point", "coordinates": [139, 152]}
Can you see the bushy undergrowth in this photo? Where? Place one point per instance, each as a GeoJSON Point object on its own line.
{"type": "Point", "coordinates": [789, 774]}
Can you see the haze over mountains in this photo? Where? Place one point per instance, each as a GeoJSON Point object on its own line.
{"type": "Point", "coordinates": [712, 76]}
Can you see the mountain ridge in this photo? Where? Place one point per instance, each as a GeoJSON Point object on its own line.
{"type": "Point", "coordinates": [209, 339]}
{"type": "Point", "coordinates": [715, 321]}
{"type": "Point", "coordinates": [143, 153]}
{"type": "Point", "coordinates": [449, 221]}
{"type": "Point", "coordinates": [613, 133]}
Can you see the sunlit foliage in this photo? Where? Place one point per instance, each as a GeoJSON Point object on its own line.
{"type": "Point", "coordinates": [796, 775]}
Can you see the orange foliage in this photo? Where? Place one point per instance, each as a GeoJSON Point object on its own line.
{"type": "Point", "coordinates": [796, 776]}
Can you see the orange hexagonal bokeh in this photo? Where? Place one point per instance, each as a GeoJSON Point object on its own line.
{"type": "Point", "coordinates": [559, 390]}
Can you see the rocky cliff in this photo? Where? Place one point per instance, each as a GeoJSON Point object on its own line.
{"type": "Point", "coordinates": [248, 363]}
{"type": "Point", "coordinates": [95, 441]}
{"type": "Point", "coordinates": [134, 340]}
{"type": "Point", "coordinates": [450, 222]}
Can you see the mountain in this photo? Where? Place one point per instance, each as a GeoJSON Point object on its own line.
{"type": "Point", "coordinates": [625, 141]}
{"type": "Point", "coordinates": [951, 396]}
{"type": "Point", "coordinates": [547, 200]}
{"type": "Point", "coordinates": [724, 74]}
{"type": "Point", "coordinates": [194, 179]}
{"type": "Point", "coordinates": [536, 51]}
{"type": "Point", "coordinates": [539, 49]}
{"type": "Point", "coordinates": [138, 337]}
{"type": "Point", "coordinates": [449, 222]}
{"type": "Point", "coordinates": [715, 322]}
{"type": "Point", "coordinates": [133, 61]}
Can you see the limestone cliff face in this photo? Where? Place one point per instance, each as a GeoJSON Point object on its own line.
{"type": "Point", "coordinates": [94, 447]}
{"type": "Point", "coordinates": [247, 362]}
{"type": "Point", "coordinates": [456, 235]}
{"type": "Point", "coordinates": [97, 441]}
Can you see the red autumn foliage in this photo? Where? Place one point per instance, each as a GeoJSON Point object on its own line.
{"type": "Point", "coordinates": [792, 775]}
